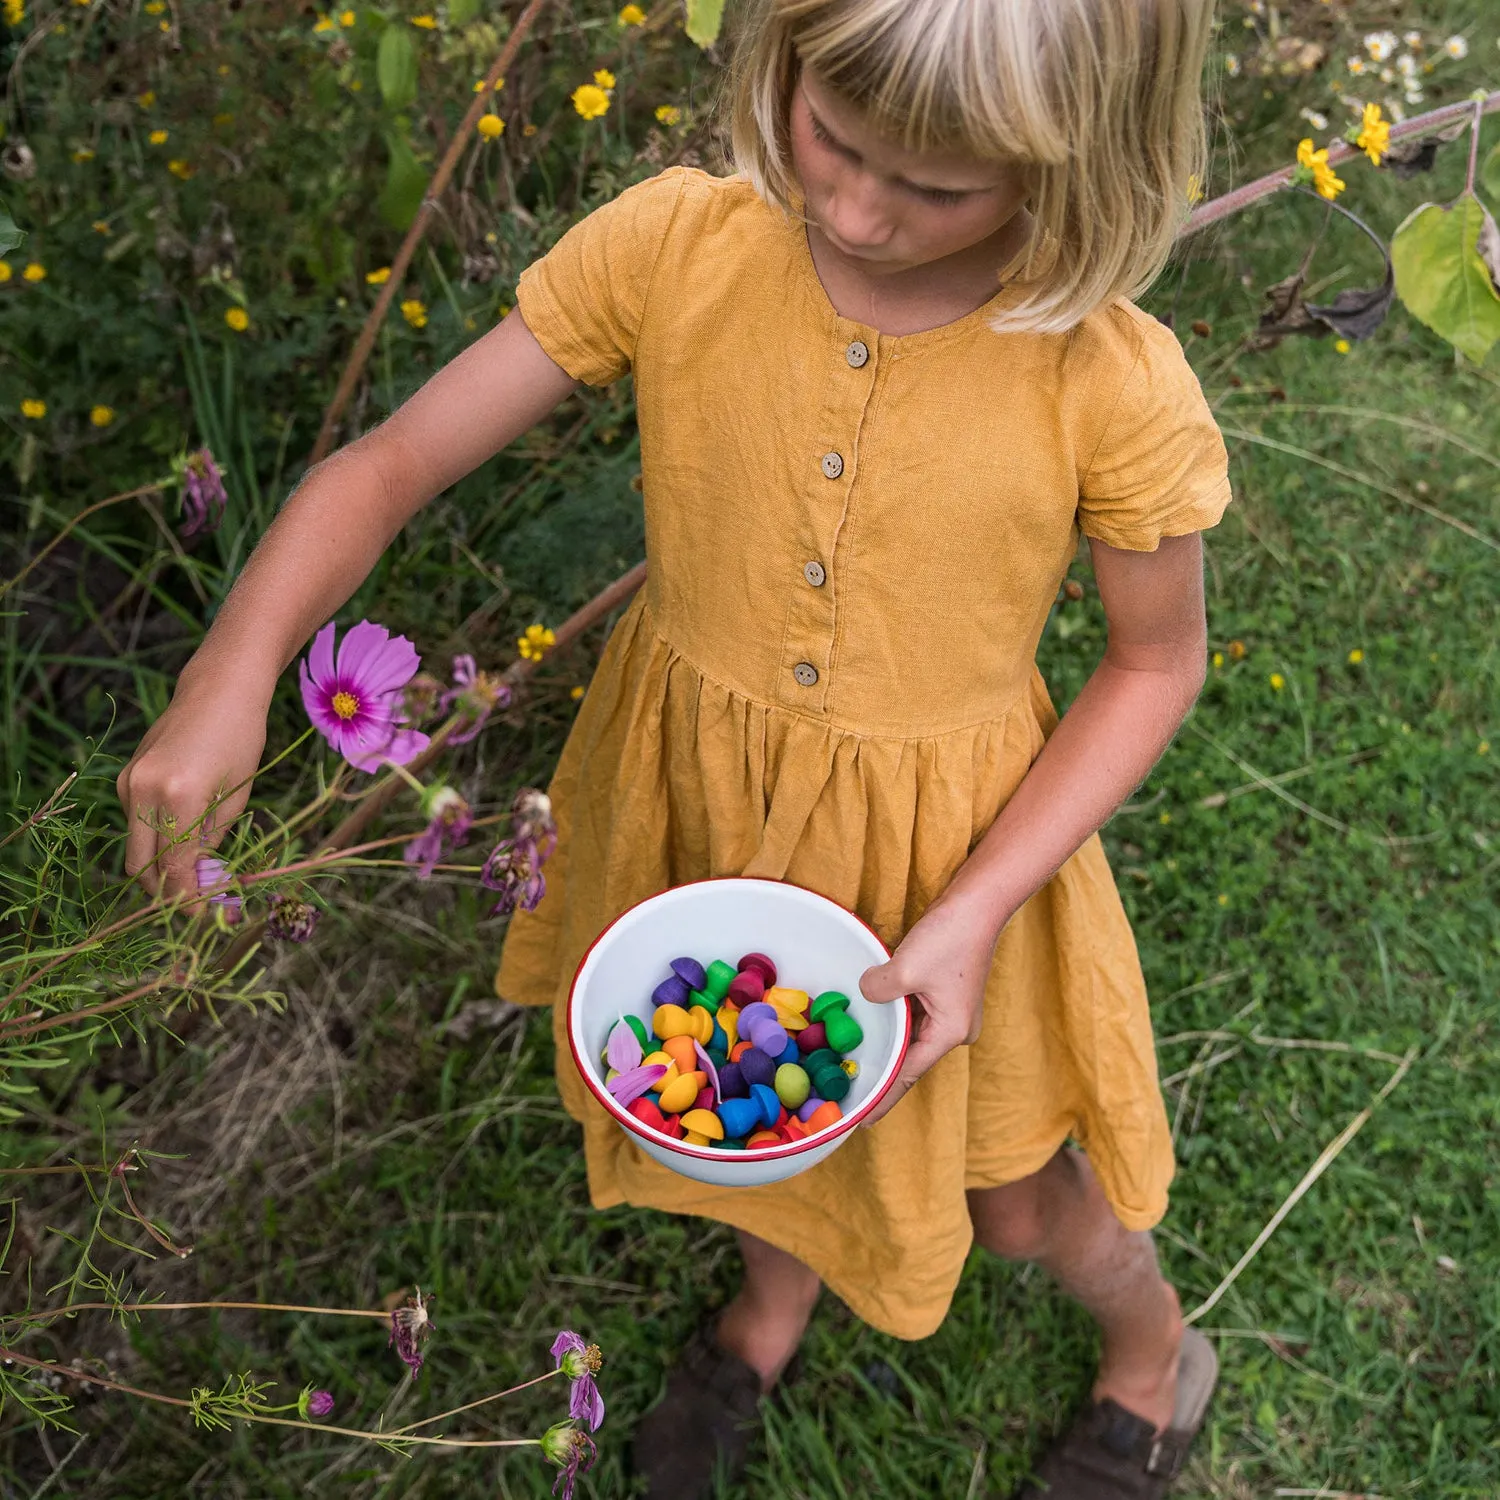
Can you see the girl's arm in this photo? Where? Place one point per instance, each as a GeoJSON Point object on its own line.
{"type": "Point", "coordinates": [322, 545]}
{"type": "Point", "coordinates": [1107, 742]}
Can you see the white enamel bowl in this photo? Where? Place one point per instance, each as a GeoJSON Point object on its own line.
{"type": "Point", "coordinates": [815, 944]}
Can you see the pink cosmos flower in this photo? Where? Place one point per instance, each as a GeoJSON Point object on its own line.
{"type": "Point", "coordinates": [580, 1362]}
{"type": "Point", "coordinates": [450, 819]}
{"type": "Point", "coordinates": [357, 703]}
{"type": "Point", "coordinates": [212, 875]}
{"type": "Point", "coordinates": [477, 694]}
{"type": "Point", "coordinates": [572, 1451]}
{"type": "Point", "coordinates": [203, 494]}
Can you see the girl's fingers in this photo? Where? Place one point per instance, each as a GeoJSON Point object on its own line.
{"type": "Point", "coordinates": [932, 1042]}
{"type": "Point", "coordinates": [882, 984]}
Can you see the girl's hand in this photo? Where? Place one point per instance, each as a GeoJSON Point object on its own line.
{"type": "Point", "coordinates": [942, 964]}
{"type": "Point", "coordinates": [208, 742]}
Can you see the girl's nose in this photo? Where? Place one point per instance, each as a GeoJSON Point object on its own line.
{"type": "Point", "coordinates": [857, 213]}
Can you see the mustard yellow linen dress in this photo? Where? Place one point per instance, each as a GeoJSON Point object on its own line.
{"type": "Point", "coordinates": [854, 541]}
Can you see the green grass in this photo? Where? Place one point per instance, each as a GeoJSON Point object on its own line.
{"type": "Point", "coordinates": [352, 1147]}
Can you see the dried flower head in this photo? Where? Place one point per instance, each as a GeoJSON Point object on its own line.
{"type": "Point", "coordinates": [203, 494]}
{"type": "Point", "coordinates": [290, 920]}
{"type": "Point", "coordinates": [572, 1450]}
{"type": "Point", "coordinates": [449, 820]}
{"type": "Point", "coordinates": [410, 1326]}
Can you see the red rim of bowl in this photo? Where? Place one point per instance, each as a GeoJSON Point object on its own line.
{"type": "Point", "coordinates": [759, 1153]}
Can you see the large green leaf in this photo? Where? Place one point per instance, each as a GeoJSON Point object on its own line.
{"type": "Point", "coordinates": [1489, 173]}
{"type": "Point", "coordinates": [704, 17]}
{"type": "Point", "coordinates": [1442, 277]}
{"type": "Point", "coordinates": [10, 236]}
{"type": "Point", "coordinates": [396, 67]}
{"type": "Point", "coordinates": [405, 182]}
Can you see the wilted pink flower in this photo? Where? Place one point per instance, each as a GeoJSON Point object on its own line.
{"type": "Point", "coordinates": [290, 920]}
{"type": "Point", "coordinates": [572, 1451]}
{"type": "Point", "coordinates": [213, 880]}
{"type": "Point", "coordinates": [580, 1363]}
{"type": "Point", "coordinates": [203, 496]}
{"type": "Point", "coordinates": [357, 704]}
{"type": "Point", "coordinates": [450, 817]}
{"type": "Point", "coordinates": [410, 1326]}
{"type": "Point", "coordinates": [514, 867]}
{"type": "Point", "coordinates": [531, 821]}
{"type": "Point", "coordinates": [477, 694]}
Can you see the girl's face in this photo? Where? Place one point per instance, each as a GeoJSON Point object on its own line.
{"type": "Point", "coordinates": [881, 206]}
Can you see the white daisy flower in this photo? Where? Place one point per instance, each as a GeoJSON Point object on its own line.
{"type": "Point", "coordinates": [1380, 44]}
{"type": "Point", "coordinates": [1313, 118]}
{"type": "Point", "coordinates": [1394, 110]}
{"type": "Point", "coordinates": [1356, 106]}
{"type": "Point", "coordinates": [1412, 39]}
{"type": "Point", "coordinates": [1456, 46]}
{"type": "Point", "coordinates": [1414, 95]}
{"type": "Point", "coordinates": [1387, 75]}
{"type": "Point", "coordinates": [1356, 65]}
{"type": "Point", "coordinates": [1406, 65]}
{"type": "Point", "coordinates": [1231, 65]}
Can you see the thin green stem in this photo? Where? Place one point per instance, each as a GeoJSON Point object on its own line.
{"type": "Point", "coordinates": [83, 515]}
{"type": "Point", "coordinates": [483, 1401]}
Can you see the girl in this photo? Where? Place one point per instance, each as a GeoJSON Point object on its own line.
{"type": "Point", "coordinates": [885, 376]}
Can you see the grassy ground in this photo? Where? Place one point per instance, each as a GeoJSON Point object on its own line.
{"type": "Point", "coordinates": [1299, 940]}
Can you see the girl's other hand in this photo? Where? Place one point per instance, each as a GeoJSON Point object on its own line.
{"type": "Point", "coordinates": [942, 964]}
{"type": "Point", "coordinates": [207, 743]}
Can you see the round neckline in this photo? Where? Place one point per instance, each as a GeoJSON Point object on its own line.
{"type": "Point", "coordinates": [898, 342]}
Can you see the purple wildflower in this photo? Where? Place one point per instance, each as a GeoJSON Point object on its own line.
{"type": "Point", "coordinates": [514, 867]}
{"type": "Point", "coordinates": [203, 496]}
{"type": "Point", "coordinates": [357, 704]}
{"type": "Point", "coordinates": [291, 920]}
{"type": "Point", "coordinates": [313, 1403]}
{"type": "Point", "coordinates": [572, 1451]}
{"type": "Point", "coordinates": [450, 817]}
{"type": "Point", "coordinates": [213, 880]}
{"type": "Point", "coordinates": [580, 1363]}
{"type": "Point", "coordinates": [477, 694]}
{"type": "Point", "coordinates": [410, 1325]}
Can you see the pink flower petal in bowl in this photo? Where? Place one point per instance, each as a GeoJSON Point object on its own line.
{"type": "Point", "coordinates": [623, 1050]}
{"type": "Point", "coordinates": [629, 1087]}
{"type": "Point", "coordinates": [708, 1067]}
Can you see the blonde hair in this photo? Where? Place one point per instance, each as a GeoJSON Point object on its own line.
{"type": "Point", "coordinates": [1098, 102]}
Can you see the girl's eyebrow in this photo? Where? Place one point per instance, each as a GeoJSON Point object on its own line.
{"type": "Point", "coordinates": [848, 150]}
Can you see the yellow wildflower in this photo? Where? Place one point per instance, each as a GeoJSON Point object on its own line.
{"type": "Point", "coordinates": [1236, 651]}
{"type": "Point", "coordinates": [223, 70]}
{"type": "Point", "coordinates": [102, 416]}
{"type": "Point", "coordinates": [15, 12]}
{"type": "Point", "coordinates": [668, 114]}
{"type": "Point", "coordinates": [632, 15]}
{"type": "Point", "coordinates": [604, 78]}
{"type": "Point", "coordinates": [1484, 747]}
{"type": "Point", "coordinates": [415, 312]}
{"type": "Point", "coordinates": [590, 101]}
{"type": "Point", "coordinates": [533, 645]}
{"type": "Point", "coordinates": [1374, 137]}
{"type": "Point", "coordinates": [528, 130]}
{"type": "Point", "coordinates": [237, 318]}
{"type": "Point", "coordinates": [147, 99]}
{"type": "Point", "coordinates": [83, 154]}
{"type": "Point", "coordinates": [1342, 346]}
{"type": "Point", "coordinates": [1356, 656]}
{"type": "Point", "coordinates": [4, 272]}
{"type": "Point", "coordinates": [33, 409]}
{"type": "Point", "coordinates": [34, 272]}
{"type": "Point", "coordinates": [346, 18]}
{"type": "Point", "coordinates": [101, 226]}
{"type": "Point", "coordinates": [1218, 658]}
{"type": "Point", "coordinates": [491, 125]}
{"type": "Point", "coordinates": [158, 137]}
{"type": "Point", "coordinates": [427, 23]}
{"type": "Point", "coordinates": [1165, 817]}
{"type": "Point", "coordinates": [576, 692]}
{"type": "Point", "coordinates": [223, 118]}
{"type": "Point", "coordinates": [1326, 182]}
{"type": "Point", "coordinates": [378, 277]}
{"type": "Point", "coordinates": [1223, 899]}
{"type": "Point", "coordinates": [180, 168]}
{"type": "Point", "coordinates": [1277, 682]}
{"type": "Point", "coordinates": [154, 7]}
{"type": "Point", "coordinates": [323, 23]}
{"type": "Point", "coordinates": [163, 25]}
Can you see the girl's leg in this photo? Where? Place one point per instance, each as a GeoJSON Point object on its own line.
{"type": "Point", "coordinates": [1060, 1218]}
{"type": "Point", "coordinates": [766, 1321]}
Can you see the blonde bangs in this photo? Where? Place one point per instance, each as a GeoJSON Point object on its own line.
{"type": "Point", "coordinates": [1097, 102]}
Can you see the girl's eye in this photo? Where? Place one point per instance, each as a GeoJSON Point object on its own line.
{"type": "Point", "coordinates": [943, 196]}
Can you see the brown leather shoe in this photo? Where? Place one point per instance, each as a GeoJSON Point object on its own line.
{"type": "Point", "coordinates": [698, 1436]}
{"type": "Point", "coordinates": [1112, 1454]}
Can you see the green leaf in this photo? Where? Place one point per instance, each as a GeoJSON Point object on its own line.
{"type": "Point", "coordinates": [405, 182]}
{"type": "Point", "coordinates": [1489, 173]}
{"type": "Point", "coordinates": [396, 67]}
{"type": "Point", "coordinates": [10, 236]}
{"type": "Point", "coordinates": [461, 12]}
{"type": "Point", "coordinates": [704, 17]}
{"type": "Point", "coordinates": [1442, 277]}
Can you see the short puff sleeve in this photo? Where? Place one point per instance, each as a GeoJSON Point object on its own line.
{"type": "Point", "coordinates": [584, 300]}
{"type": "Point", "coordinates": [1160, 467]}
